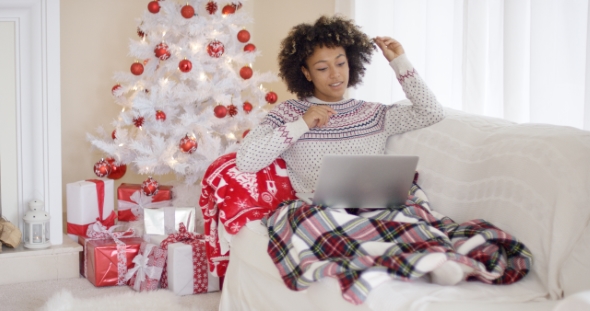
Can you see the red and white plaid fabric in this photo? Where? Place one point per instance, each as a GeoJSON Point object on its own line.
{"type": "Point", "coordinates": [232, 198]}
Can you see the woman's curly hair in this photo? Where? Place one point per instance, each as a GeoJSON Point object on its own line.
{"type": "Point", "coordinates": [326, 32]}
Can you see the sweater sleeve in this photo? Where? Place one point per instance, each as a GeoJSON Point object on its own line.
{"type": "Point", "coordinates": [424, 111]}
{"type": "Point", "coordinates": [278, 131]}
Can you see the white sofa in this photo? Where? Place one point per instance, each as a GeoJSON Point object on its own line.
{"type": "Point", "coordinates": [531, 180]}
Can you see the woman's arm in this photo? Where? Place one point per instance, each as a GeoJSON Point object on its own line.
{"type": "Point", "coordinates": [280, 129]}
{"type": "Point", "coordinates": [425, 109]}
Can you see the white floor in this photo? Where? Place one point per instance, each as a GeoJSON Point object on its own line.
{"type": "Point", "coordinates": [33, 295]}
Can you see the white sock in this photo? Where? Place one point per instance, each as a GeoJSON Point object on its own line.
{"type": "Point", "coordinates": [449, 273]}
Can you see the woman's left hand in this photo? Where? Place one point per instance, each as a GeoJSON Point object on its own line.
{"type": "Point", "coordinates": [390, 47]}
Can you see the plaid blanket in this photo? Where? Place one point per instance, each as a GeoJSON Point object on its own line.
{"type": "Point", "coordinates": [309, 242]}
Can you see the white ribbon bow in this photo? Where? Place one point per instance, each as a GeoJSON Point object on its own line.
{"type": "Point", "coordinates": [142, 269]}
{"type": "Point", "coordinates": [139, 202]}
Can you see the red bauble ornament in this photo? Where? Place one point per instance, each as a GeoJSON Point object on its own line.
{"type": "Point", "coordinates": [117, 171]}
{"type": "Point", "coordinates": [249, 47]}
{"type": "Point", "coordinates": [211, 7]}
{"type": "Point", "coordinates": [228, 9]}
{"type": "Point", "coordinates": [162, 51]}
{"type": "Point", "coordinates": [140, 33]}
{"type": "Point", "coordinates": [187, 11]}
{"type": "Point", "coordinates": [243, 35]}
{"type": "Point", "coordinates": [137, 68]}
{"type": "Point", "coordinates": [114, 134]}
{"type": "Point", "coordinates": [138, 121]}
{"type": "Point", "coordinates": [150, 186]}
{"type": "Point", "coordinates": [188, 144]}
{"type": "Point", "coordinates": [115, 88]}
{"type": "Point", "coordinates": [154, 7]}
{"type": "Point", "coordinates": [271, 97]}
{"type": "Point", "coordinates": [215, 49]}
{"type": "Point", "coordinates": [232, 110]}
{"type": "Point", "coordinates": [102, 168]}
{"type": "Point", "coordinates": [245, 133]}
{"type": "Point", "coordinates": [160, 115]}
{"type": "Point", "coordinates": [246, 72]}
{"type": "Point", "coordinates": [185, 65]}
{"type": "Point", "coordinates": [247, 107]}
{"type": "Point", "coordinates": [220, 111]}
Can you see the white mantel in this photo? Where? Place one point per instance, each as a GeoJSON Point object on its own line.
{"type": "Point", "coordinates": [37, 171]}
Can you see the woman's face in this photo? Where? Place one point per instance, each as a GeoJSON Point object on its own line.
{"type": "Point", "coordinates": [327, 69]}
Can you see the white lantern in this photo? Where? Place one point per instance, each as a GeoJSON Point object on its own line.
{"type": "Point", "coordinates": [36, 233]}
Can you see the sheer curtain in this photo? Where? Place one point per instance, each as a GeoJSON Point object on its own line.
{"type": "Point", "coordinates": [521, 60]}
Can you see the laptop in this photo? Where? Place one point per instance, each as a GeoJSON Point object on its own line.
{"type": "Point", "coordinates": [363, 181]}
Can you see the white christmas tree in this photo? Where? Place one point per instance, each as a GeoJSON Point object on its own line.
{"type": "Point", "coordinates": [191, 94]}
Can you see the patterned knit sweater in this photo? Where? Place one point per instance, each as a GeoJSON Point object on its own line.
{"type": "Point", "coordinates": [359, 127]}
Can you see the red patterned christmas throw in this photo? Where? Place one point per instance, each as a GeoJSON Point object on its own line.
{"type": "Point", "coordinates": [186, 271]}
{"type": "Point", "coordinates": [148, 267]}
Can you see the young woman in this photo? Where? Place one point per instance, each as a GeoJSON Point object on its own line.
{"type": "Point", "coordinates": [319, 62]}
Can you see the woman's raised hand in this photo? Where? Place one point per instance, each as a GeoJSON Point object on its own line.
{"type": "Point", "coordinates": [318, 115]}
{"type": "Point", "coordinates": [390, 47]}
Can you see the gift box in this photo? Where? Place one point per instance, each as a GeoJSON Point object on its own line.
{"type": "Point", "coordinates": [148, 266]}
{"type": "Point", "coordinates": [131, 201]}
{"type": "Point", "coordinates": [89, 201]}
{"type": "Point", "coordinates": [166, 220]}
{"type": "Point", "coordinates": [186, 271]}
{"type": "Point", "coordinates": [107, 255]}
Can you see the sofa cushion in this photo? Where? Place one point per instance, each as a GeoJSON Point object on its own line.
{"type": "Point", "coordinates": [530, 180]}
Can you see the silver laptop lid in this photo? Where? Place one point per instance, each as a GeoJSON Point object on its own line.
{"type": "Point", "coordinates": [367, 181]}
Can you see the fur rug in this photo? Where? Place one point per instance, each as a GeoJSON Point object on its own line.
{"type": "Point", "coordinates": [154, 300]}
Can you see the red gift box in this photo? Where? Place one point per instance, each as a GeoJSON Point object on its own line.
{"type": "Point", "coordinates": [131, 201]}
{"type": "Point", "coordinates": [147, 271]}
{"type": "Point", "coordinates": [107, 255]}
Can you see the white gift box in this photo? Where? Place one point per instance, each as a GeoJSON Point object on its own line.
{"type": "Point", "coordinates": [180, 268]}
{"type": "Point", "coordinates": [166, 220]}
{"type": "Point", "coordinates": [83, 203]}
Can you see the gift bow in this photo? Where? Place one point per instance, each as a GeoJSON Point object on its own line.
{"type": "Point", "coordinates": [139, 202]}
{"type": "Point", "coordinates": [99, 231]}
{"type": "Point", "coordinates": [142, 268]}
{"type": "Point", "coordinates": [182, 236]}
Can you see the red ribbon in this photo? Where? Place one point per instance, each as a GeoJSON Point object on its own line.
{"type": "Point", "coordinates": [108, 222]}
